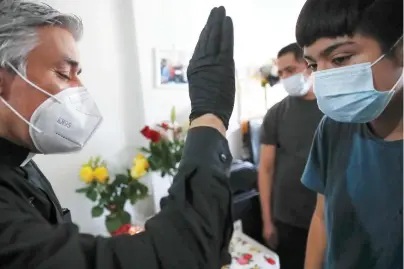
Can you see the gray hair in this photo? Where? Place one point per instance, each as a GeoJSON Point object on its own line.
{"type": "Point", "coordinates": [19, 22]}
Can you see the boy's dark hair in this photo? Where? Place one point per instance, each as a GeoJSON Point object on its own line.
{"type": "Point", "coordinates": [380, 19]}
{"type": "Point", "coordinates": [292, 48]}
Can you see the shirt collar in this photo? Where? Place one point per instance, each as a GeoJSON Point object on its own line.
{"type": "Point", "coordinates": [14, 155]}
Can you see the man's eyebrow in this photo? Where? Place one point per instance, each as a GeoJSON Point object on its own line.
{"type": "Point", "coordinates": [326, 52]}
{"type": "Point", "coordinates": [72, 63]}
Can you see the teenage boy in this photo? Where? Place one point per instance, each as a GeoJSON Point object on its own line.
{"type": "Point", "coordinates": [356, 162]}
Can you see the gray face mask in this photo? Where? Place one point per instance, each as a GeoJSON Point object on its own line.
{"type": "Point", "coordinates": [64, 122]}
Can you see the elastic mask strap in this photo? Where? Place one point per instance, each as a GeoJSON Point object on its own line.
{"type": "Point", "coordinates": [19, 115]}
{"type": "Point", "coordinates": [32, 84]}
{"type": "Point", "coordinates": [398, 82]}
{"type": "Point", "coordinates": [383, 55]}
{"type": "Point", "coordinates": [395, 44]}
{"type": "Point", "coordinates": [378, 59]}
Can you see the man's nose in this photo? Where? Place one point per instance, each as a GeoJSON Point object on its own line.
{"type": "Point", "coordinates": [76, 82]}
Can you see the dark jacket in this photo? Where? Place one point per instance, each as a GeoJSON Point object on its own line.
{"type": "Point", "coordinates": [192, 231]}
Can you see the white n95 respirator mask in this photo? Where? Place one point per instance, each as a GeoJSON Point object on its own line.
{"type": "Point", "coordinates": [64, 122]}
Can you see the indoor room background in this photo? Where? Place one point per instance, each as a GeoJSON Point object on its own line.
{"type": "Point", "coordinates": [118, 69]}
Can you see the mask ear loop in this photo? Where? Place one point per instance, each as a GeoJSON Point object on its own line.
{"type": "Point", "coordinates": [32, 84]}
{"type": "Point", "coordinates": [383, 55]}
{"type": "Point", "coordinates": [19, 115]}
{"type": "Point", "coordinates": [398, 82]}
{"type": "Point", "coordinates": [401, 77]}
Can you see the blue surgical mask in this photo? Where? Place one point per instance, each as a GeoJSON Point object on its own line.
{"type": "Point", "coordinates": [347, 94]}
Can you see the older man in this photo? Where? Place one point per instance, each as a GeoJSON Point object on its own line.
{"type": "Point", "coordinates": [44, 108]}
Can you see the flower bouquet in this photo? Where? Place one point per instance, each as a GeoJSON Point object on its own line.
{"type": "Point", "coordinates": [110, 194]}
{"type": "Point", "coordinates": [268, 75]}
{"type": "Point", "coordinates": [166, 145]}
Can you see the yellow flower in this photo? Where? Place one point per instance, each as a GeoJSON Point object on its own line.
{"type": "Point", "coordinates": [139, 156]}
{"type": "Point", "coordinates": [86, 174]}
{"type": "Point", "coordinates": [264, 82]}
{"type": "Point", "coordinates": [140, 167]}
{"type": "Point", "coordinates": [101, 174]}
{"type": "Point", "coordinates": [141, 160]}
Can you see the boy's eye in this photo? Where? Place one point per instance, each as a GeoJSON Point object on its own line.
{"type": "Point", "coordinates": [341, 60]}
{"type": "Point", "coordinates": [313, 67]}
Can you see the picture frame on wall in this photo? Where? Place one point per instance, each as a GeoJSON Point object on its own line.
{"type": "Point", "coordinates": [170, 68]}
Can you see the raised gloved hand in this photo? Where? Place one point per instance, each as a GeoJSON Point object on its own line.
{"type": "Point", "coordinates": [211, 69]}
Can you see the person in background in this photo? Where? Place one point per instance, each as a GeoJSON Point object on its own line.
{"type": "Point", "coordinates": [355, 48]}
{"type": "Point", "coordinates": [164, 71]}
{"type": "Point", "coordinates": [39, 77]}
{"type": "Point", "coordinates": [286, 135]}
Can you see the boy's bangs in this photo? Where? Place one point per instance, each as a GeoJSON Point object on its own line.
{"type": "Point", "coordinates": [328, 19]}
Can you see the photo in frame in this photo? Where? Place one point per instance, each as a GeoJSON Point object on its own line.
{"type": "Point", "coordinates": [170, 67]}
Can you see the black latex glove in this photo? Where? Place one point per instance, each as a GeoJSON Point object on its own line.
{"type": "Point", "coordinates": [211, 69]}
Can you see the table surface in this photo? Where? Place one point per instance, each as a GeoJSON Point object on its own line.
{"type": "Point", "coordinates": [249, 254]}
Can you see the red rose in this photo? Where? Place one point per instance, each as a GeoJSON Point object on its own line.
{"type": "Point", "coordinates": [151, 134]}
{"type": "Point", "coordinates": [154, 136]}
{"type": "Point", "coordinates": [146, 132]}
{"type": "Point", "coordinates": [124, 229]}
{"type": "Point", "coordinates": [247, 256]}
{"type": "Point", "coordinates": [164, 126]}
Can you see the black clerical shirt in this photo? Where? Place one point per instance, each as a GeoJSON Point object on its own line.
{"type": "Point", "coordinates": [192, 231]}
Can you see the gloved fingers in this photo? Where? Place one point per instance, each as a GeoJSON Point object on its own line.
{"type": "Point", "coordinates": [212, 15]}
{"type": "Point", "coordinates": [227, 41]}
{"type": "Point", "coordinates": [213, 42]}
{"type": "Point", "coordinates": [203, 37]}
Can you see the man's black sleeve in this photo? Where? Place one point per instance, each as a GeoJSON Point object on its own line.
{"type": "Point", "coordinates": [191, 231]}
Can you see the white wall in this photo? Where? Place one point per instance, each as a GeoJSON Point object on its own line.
{"type": "Point", "coordinates": [117, 61]}
{"type": "Point", "coordinates": [261, 27]}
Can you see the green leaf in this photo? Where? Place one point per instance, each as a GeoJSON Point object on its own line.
{"type": "Point", "coordinates": [92, 194]}
{"type": "Point", "coordinates": [133, 198]}
{"type": "Point", "coordinates": [97, 211]}
{"type": "Point", "coordinates": [124, 217]}
{"type": "Point", "coordinates": [153, 163]}
{"type": "Point", "coordinates": [145, 150]}
{"type": "Point", "coordinates": [90, 162]}
{"type": "Point", "coordinates": [97, 161]}
{"type": "Point", "coordinates": [113, 223]}
{"type": "Point", "coordinates": [173, 115]}
{"type": "Point", "coordinates": [143, 191]}
{"type": "Point", "coordinates": [82, 190]}
{"type": "Point", "coordinates": [121, 178]}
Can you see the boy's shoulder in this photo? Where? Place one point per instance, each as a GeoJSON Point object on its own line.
{"type": "Point", "coordinates": [330, 128]}
{"type": "Point", "coordinates": [334, 136]}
